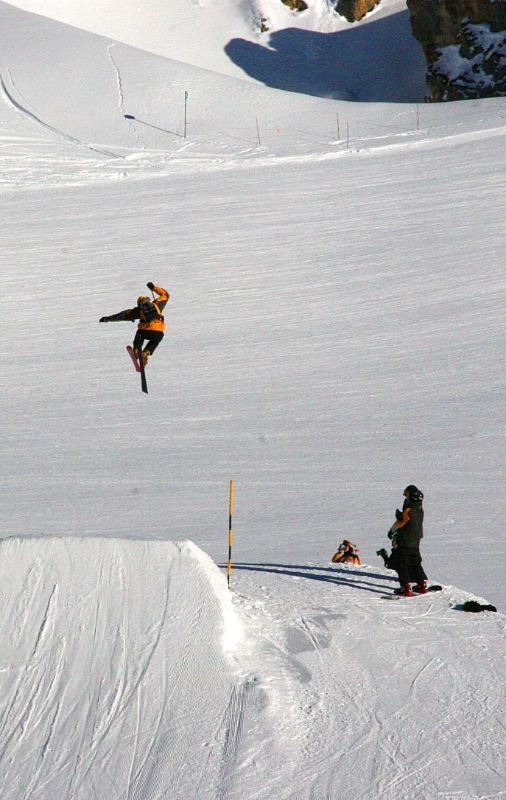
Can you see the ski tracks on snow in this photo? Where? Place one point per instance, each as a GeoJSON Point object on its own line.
{"type": "Point", "coordinates": [29, 115]}
{"type": "Point", "coordinates": [121, 99]}
{"type": "Point", "coordinates": [393, 697]}
{"type": "Point", "coordinates": [125, 674]}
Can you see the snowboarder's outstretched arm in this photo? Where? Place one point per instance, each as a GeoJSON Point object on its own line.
{"type": "Point", "coordinates": [129, 315]}
{"type": "Point", "coordinates": [163, 295]}
{"type": "Point", "coordinates": [132, 314]}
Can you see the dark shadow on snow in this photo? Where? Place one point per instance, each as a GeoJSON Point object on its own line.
{"type": "Point", "coordinates": [346, 571]}
{"type": "Point", "coordinates": [310, 573]}
{"type": "Point", "coordinates": [380, 61]}
{"type": "Point", "coordinates": [155, 127]}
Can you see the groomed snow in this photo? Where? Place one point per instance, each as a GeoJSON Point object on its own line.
{"type": "Point", "coordinates": [126, 671]}
{"type": "Point", "coordinates": [114, 678]}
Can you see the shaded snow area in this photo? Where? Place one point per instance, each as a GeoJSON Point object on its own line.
{"type": "Point", "coordinates": [128, 670]}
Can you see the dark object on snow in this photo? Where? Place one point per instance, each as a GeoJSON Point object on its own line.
{"type": "Point", "coordinates": [474, 607]}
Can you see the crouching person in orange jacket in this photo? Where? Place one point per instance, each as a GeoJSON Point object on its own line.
{"type": "Point", "coordinates": [151, 325]}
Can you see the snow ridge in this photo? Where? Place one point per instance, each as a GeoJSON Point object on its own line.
{"type": "Point", "coordinates": [233, 632]}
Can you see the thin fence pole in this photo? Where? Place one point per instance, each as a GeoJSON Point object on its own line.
{"type": "Point", "coordinates": [338, 128]}
{"type": "Point", "coordinates": [258, 133]}
{"type": "Point", "coordinates": [230, 509]}
{"type": "Point", "coordinates": [347, 134]}
{"type": "Point", "coordinates": [185, 104]}
{"type": "Point", "coordinates": [418, 117]}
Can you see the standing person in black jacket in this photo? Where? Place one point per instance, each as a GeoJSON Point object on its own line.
{"type": "Point", "coordinates": [406, 532]}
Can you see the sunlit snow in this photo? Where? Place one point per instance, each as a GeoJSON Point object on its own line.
{"type": "Point", "coordinates": [335, 331]}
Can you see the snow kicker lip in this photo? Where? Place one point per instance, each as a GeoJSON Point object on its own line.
{"type": "Point", "coordinates": [114, 670]}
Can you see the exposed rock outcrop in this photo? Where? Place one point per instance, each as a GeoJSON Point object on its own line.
{"type": "Point", "coordinates": [295, 5]}
{"type": "Point", "coordinates": [353, 10]}
{"type": "Point", "coordinates": [465, 46]}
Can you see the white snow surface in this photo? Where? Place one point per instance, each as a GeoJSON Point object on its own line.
{"type": "Point", "coordinates": [129, 670]}
{"type": "Point", "coordinates": [198, 32]}
{"type": "Point", "coordinates": [115, 682]}
{"type": "Point", "coordinates": [335, 332]}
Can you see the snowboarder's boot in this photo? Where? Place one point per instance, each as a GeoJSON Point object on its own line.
{"type": "Point", "coordinates": [404, 591]}
{"type": "Point", "coordinates": [420, 588]}
{"type": "Point", "coordinates": [146, 354]}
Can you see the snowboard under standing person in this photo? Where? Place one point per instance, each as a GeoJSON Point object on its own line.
{"type": "Point", "coordinates": [151, 325]}
{"type": "Point", "coordinates": [406, 533]}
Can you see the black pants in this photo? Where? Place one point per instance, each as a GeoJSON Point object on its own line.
{"type": "Point", "coordinates": [153, 338]}
{"type": "Point", "coordinates": [408, 565]}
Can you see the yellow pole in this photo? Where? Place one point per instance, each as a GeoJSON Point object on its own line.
{"type": "Point", "coordinates": [230, 507]}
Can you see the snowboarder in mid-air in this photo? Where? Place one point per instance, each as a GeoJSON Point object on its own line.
{"type": "Point", "coordinates": [151, 322]}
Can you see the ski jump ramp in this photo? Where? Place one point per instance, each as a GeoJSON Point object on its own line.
{"type": "Point", "coordinates": [118, 675]}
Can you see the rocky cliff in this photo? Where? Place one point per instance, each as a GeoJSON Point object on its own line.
{"type": "Point", "coordinates": [353, 10]}
{"type": "Point", "coordinates": [465, 46]}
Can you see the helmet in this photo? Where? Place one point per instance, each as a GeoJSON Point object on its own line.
{"type": "Point", "coordinates": [142, 299]}
{"type": "Point", "coordinates": [414, 494]}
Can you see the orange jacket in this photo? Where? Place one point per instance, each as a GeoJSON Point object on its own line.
{"type": "Point", "coordinates": [132, 314]}
{"type": "Point", "coordinates": [160, 303]}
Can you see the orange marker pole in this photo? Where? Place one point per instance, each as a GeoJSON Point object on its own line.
{"type": "Point", "coordinates": [230, 508]}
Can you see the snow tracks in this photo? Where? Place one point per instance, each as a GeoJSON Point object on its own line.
{"type": "Point", "coordinates": [399, 699]}
{"type": "Point", "coordinates": [117, 674]}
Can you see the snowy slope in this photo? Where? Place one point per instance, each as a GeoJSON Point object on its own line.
{"type": "Point", "coordinates": [127, 672]}
{"type": "Point", "coordinates": [396, 698]}
{"type": "Point", "coordinates": [225, 36]}
{"type": "Point", "coordinates": [64, 95]}
{"type": "Point", "coordinates": [331, 337]}
{"type": "Point", "coordinates": [50, 103]}
{"type": "Point", "coordinates": [335, 331]}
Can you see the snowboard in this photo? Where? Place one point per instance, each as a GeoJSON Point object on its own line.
{"type": "Point", "coordinates": [434, 588]}
{"type": "Point", "coordinates": [132, 355]}
{"type": "Point", "coordinates": [139, 366]}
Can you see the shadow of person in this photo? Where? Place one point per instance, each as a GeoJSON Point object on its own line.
{"type": "Point", "coordinates": [380, 62]}
{"type": "Point", "coordinates": [366, 584]}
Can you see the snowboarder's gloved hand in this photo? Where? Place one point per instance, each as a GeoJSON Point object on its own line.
{"type": "Point", "coordinates": [150, 285]}
{"type": "Point", "coordinates": [104, 319]}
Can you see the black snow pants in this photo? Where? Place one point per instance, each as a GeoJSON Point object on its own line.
{"type": "Point", "coordinates": [153, 338]}
{"type": "Point", "coordinates": [408, 565]}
